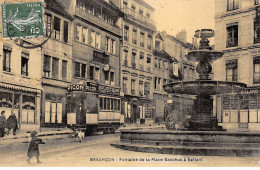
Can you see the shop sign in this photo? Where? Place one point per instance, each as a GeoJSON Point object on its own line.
{"type": "Point", "coordinates": [109, 90]}
{"type": "Point", "coordinates": [100, 57]}
{"type": "Point", "coordinates": [250, 91]}
{"type": "Point", "coordinates": [85, 88]}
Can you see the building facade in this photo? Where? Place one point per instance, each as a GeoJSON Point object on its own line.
{"type": "Point", "coordinates": [136, 59]}
{"type": "Point", "coordinates": [56, 64]}
{"type": "Point", "coordinates": [96, 44]}
{"type": "Point", "coordinates": [20, 83]}
{"type": "Point", "coordinates": [237, 35]}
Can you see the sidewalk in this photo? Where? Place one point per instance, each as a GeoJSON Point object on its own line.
{"type": "Point", "coordinates": [45, 133]}
{"type": "Point", "coordinates": [141, 126]}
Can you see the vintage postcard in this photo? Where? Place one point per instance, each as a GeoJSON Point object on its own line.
{"type": "Point", "coordinates": [129, 83]}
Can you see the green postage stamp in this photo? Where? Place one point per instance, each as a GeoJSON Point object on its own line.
{"type": "Point", "coordinates": [22, 19]}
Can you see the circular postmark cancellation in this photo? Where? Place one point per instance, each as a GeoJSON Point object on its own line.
{"type": "Point", "coordinates": [23, 20]}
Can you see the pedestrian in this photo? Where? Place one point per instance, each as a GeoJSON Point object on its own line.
{"type": "Point", "coordinates": [34, 147]}
{"type": "Point", "coordinates": [11, 124]}
{"type": "Point", "coordinates": [2, 124]}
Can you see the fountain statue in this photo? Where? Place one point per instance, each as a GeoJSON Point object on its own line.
{"type": "Point", "coordinates": [202, 118]}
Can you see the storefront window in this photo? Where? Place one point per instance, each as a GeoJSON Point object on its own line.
{"type": "Point", "coordinates": [28, 109]}
{"type": "Point", "coordinates": [6, 103]}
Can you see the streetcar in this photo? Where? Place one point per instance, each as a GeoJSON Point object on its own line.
{"type": "Point", "coordinates": [93, 108]}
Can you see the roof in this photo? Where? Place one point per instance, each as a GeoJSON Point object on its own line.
{"type": "Point", "coordinates": [164, 54]}
{"type": "Point", "coordinates": [57, 7]}
{"type": "Point", "coordinates": [185, 44]}
{"type": "Point", "coordinates": [143, 3]}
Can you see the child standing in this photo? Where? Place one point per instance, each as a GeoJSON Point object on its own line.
{"type": "Point", "coordinates": [34, 147]}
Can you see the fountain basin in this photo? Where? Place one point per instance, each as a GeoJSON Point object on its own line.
{"type": "Point", "coordinates": [204, 55]}
{"type": "Point", "coordinates": [209, 87]}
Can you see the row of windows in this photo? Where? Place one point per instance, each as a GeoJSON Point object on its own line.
{"type": "Point", "coordinates": [51, 67]}
{"type": "Point", "coordinates": [82, 35]}
{"type": "Point", "coordinates": [134, 37]}
{"type": "Point", "coordinates": [159, 83]}
{"type": "Point", "coordinates": [234, 4]}
{"type": "Point", "coordinates": [133, 8]}
{"type": "Point", "coordinates": [97, 11]}
{"type": "Point", "coordinates": [94, 73]}
{"type": "Point", "coordinates": [161, 64]}
{"type": "Point", "coordinates": [53, 28]}
{"type": "Point", "coordinates": [144, 87]}
{"type": "Point", "coordinates": [109, 104]}
{"type": "Point", "coordinates": [7, 62]}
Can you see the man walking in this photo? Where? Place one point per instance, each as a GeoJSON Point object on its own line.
{"type": "Point", "coordinates": [2, 124]}
{"type": "Point", "coordinates": [11, 124]}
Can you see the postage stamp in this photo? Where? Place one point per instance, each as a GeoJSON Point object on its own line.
{"type": "Point", "coordinates": [22, 20]}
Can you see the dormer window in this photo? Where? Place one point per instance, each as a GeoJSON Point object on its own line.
{"type": "Point", "coordinates": [158, 45]}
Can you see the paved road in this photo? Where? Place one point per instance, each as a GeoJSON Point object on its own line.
{"type": "Point", "coordinates": [96, 151]}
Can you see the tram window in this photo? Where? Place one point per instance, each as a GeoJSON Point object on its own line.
{"type": "Point", "coordinates": [112, 104]}
{"type": "Point", "coordinates": [118, 105]}
{"type": "Point", "coordinates": [101, 104]}
{"type": "Point", "coordinates": [105, 104]}
{"type": "Point", "coordinates": [108, 104]}
{"type": "Point", "coordinates": [115, 104]}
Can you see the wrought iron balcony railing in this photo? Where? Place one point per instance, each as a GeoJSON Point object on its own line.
{"type": "Point", "coordinates": [139, 18]}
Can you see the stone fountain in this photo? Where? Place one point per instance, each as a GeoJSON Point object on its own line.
{"type": "Point", "coordinates": [204, 87]}
{"type": "Point", "coordinates": [201, 135]}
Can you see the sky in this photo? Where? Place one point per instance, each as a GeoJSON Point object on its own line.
{"type": "Point", "coordinates": [174, 15]}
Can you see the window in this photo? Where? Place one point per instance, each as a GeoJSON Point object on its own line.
{"type": "Point", "coordinates": [142, 39]}
{"type": "Point", "coordinates": [158, 45]}
{"type": "Point", "coordinates": [148, 15]}
{"type": "Point", "coordinates": [109, 77]}
{"type": "Point", "coordinates": [165, 65]}
{"type": "Point", "coordinates": [141, 88]}
{"type": "Point", "coordinates": [65, 31]}
{"type": "Point", "coordinates": [141, 12]}
{"type": "Point", "coordinates": [7, 60]}
{"type": "Point", "coordinates": [160, 63]}
{"type": "Point", "coordinates": [125, 85]}
{"type": "Point", "coordinates": [256, 70]}
{"type": "Point", "coordinates": [257, 31]}
{"type": "Point", "coordinates": [156, 62]}
{"type": "Point", "coordinates": [112, 78]}
{"type": "Point", "coordinates": [110, 45]}
{"type": "Point", "coordinates": [134, 39]}
{"type": "Point", "coordinates": [64, 70]}
{"type": "Point", "coordinates": [133, 86]}
{"type": "Point", "coordinates": [133, 60]}
{"type": "Point", "coordinates": [148, 63]}
{"type": "Point", "coordinates": [146, 88]}
{"type": "Point", "coordinates": [149, 42]}
{"type": "Point", "coordinates": [133, 10]}
{"type": "Point", "coordinates": [141, 66]}
{"type": "Point", "coordinates": [155, 83]}
{"type": "Point", "coordinates": [55, 68]}
{"type": "Point", "coordinates": [93, 38]}
{"type": "Point", "coordinates": [109, 104]}
{"type": "Point", "coordinates": [232, 36]}
{"type": "Point", "coordinates": [98, 41]}
{"type": "Point", "coordinates": [46, 66]}
{"type": "Point", "coordinates": [94, 73]}
{"type": "Point", "coordinates": [231, 70]}
{"type": "Point", "coordinates": [232, 5]}
{"type": "Point", "coordinates": [80, 70]}
{"type": "Point", "coordinates": [126, 33]}
{"type": "Point", "coordinates": [85, 35]}
{"type": "Point", "coordinates": [24, 64]}
{"type": "Point", "coordinates": [159, 83]}
{"type": "Point", "coordinates": [125, 61]}
{"type": "Point", "coordinates": [79, 33]}
{"type": "Point", "coordinates": [56, 28]}
{"type": "Point", "coordinates": [48, 19]}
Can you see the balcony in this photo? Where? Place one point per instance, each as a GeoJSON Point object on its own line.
{"type": "Point", "coordinates": [133, 65]}
{"type": "Point", "coordinates": [139, 18]}
{"type": "Point", "coordinates": [133, 91]}
{"type": "Point", "coordinates": [98, 21]}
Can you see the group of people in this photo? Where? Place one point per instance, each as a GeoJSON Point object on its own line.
{"type": "Point", "coordinates": [10, 123]}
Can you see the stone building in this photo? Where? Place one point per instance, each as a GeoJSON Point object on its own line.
{"type": "Point", "coordinates": [237, 35]}
{"type": "Point", "coordinates": [20, 83]}
{"type": "Point", "coordinates": [96, 42]}
{"type": "Point", "coordinates": [56, 64]}
{"type": "Point", "coordinates": [136, 60]}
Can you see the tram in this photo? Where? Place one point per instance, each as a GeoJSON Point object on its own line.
{"type": "Point", "coordinates": [94, 108]}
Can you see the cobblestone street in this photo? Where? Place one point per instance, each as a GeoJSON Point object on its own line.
{"type": "Point", "coordinates": [96, 151]}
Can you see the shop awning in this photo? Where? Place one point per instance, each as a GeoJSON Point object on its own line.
{"type": "Point", "coordinates": [19, 87]}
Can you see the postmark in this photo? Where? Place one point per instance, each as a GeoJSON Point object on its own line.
{"type": "Point", "coordinates": [22, 20]}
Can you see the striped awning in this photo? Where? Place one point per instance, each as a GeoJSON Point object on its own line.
{"type": "Point", "coordinates": [19, 88]}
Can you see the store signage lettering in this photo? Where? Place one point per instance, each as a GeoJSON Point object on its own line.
{"type": "Point", "coordinates": [250, 91]}
{"type": "Point", "coordinates": [93, 88]}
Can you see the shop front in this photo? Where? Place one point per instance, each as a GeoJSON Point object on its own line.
{"type": "Point", "coordinates": [24, 102]}
{"type": "Point", "coordinates": [240, 111]}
